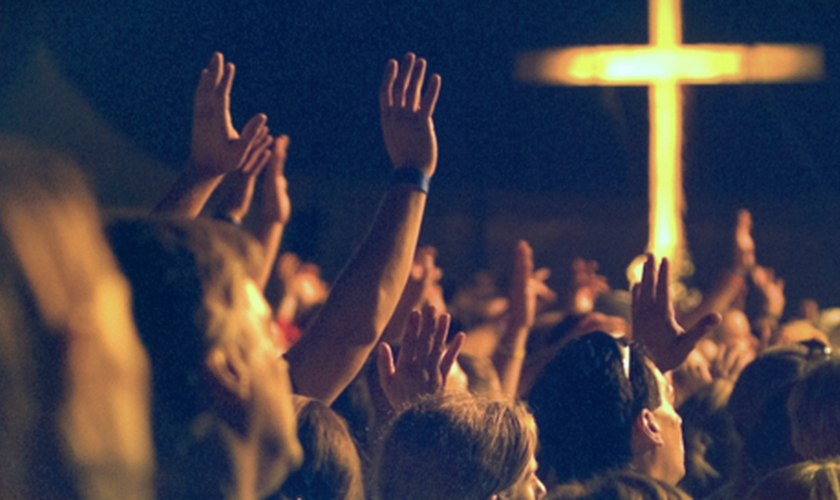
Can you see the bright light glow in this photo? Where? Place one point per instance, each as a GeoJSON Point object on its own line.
{"type": "Point", "coordinates": [664, 65]}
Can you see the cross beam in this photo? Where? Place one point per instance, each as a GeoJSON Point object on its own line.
{"type": "Point", "coordinates": [664, 65]}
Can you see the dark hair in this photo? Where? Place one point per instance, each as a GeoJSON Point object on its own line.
{"type": "Point", "coordinates": [331, 469]}
{"type": "Point", "coordinates": [457, 447]}
{"type": "Point", "coordinates": [814, 411]}
{"type": "Point", "coordinates": [758, 405]}
{"type": "Point", "coordinates": [585, 405]}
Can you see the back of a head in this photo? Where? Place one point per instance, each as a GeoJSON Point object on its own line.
{"type": "Point", "coordinates": [585, 404]}
{"type": "Point", "coordinates": [331, 469]}
{"type": "Point", "coordinates": [455, 448]}
{"type": "Point", "coordinates": [814, 411]}
{"type": "Point", "coordinates": [812, 480]}
{"type": "Point", "coordinates": [623, 485]}
{"type": "Point", "coordinates": [774, 371]}
{"type": "Point", "coordinates": [758, 406]}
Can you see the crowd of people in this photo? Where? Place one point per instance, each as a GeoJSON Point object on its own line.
{"type": "Point", "coordinates": [181, 355]}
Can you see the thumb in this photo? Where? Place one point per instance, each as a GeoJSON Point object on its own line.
{"type": "Point", "coordinates": [704, 326]}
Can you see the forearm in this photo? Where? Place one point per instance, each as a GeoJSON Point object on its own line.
{"type": "Point", "coordinates": [189, 194]}
{"type": "Point", "coordinates": [269, 234]}
{"type": "Point", "coordinates": [719, 300]}
{"type": "Point", "coordinates": [508, 359]}
{"type": "Point", "coordinates": [361, 301]}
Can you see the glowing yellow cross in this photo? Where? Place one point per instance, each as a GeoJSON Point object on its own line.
{"type": "Point", "coordinates": [664, 66]}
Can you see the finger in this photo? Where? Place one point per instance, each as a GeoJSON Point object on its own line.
{"type": "Point", "coordinates": [262, 160]}
{"type": "Point", "coordinates": [648, 280]}
{"type": "Point", "coordinates": [662, 293]}
{"type": "Point", "coordinates": [214, 73]}
{"type": "Point", "coordinates": [408, 350]}
{"type": "Point", "coordinates": [635, 299]}
{"type": "Point", "coordinates": [412, 96]}
{"type": "Point", "coordinates": [281, 148]}
{"type": "Point", "coordinates": [430, 96]}
{"type": "Point", "coordinates": [401, 82]}
{"type": "Point", "coordinates": [440, 339]}
{"type": "Point", "coordinates": [226, 82]}
{"type": "Point", "coordinates": [387, 88]}
{"type": "Point", "coordinates": [451, 355]}
{"type": "Point", "coordinates": [427, 331]}
{"type": "Point", "coordinates": [258, 154]}
{"type": "Point", "coordinates": [542, 274]}
{"type": "Point", "coordinates": [252, 131]}
{"type": "Point", "coordinates": [385, 365]}
{"type": "Point", "coordinates": [523, 264]}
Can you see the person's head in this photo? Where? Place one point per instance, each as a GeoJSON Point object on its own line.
{"type": "Point", "coordinates": [621, 485]}
{"type": "Point", "coordinates": [74, 402]}
{"type": "Point", "coordinates": [601, 406]}
{"type": "Point", "coordinates": [331, 469]}
{"type": "Point", "coordinates": [219, 386]}
{"type": "Point", "coordinates": [814, 411]}
{"type": "Point", "coordinates": [812, 480]}
{"type": "Point", "coordinates": [758, 406]}
{"type": "Point", "coordinates": [460, 447]}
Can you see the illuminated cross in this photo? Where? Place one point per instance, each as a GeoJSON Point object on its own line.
{"type": "Point", "coordinates": [664, 66]}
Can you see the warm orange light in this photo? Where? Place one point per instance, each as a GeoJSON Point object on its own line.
{"type": "Point", "coordinates": [665, 65]}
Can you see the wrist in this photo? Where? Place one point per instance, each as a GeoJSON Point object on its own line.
{"type": "Point", "coordinates": [412, 177]}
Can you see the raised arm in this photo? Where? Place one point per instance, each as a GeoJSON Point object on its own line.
{"type": "Point", "coordinates": [732, 283]}
{"type": "Point", "coordinates": [276, 207]}
{"type": "Point", "coordinates": [366, 292]}
{"type": "Point", "coordinates": [217, 148]}
{"type": "Point", "coordinates": [510, 351]}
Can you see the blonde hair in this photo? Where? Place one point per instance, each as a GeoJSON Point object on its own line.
{"type": "Point", "coordinates": [812, 480]}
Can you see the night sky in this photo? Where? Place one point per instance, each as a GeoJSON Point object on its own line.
{"type": "Point", "coordinates": [314, 68]}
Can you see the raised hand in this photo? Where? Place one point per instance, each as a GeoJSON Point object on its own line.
{"type": "Point", "coordinates": [772, 290]}
{"type": "Point", "coordinates": [237, 189]}
{"type": "Point", "coordinates": [424, 360]}
{"type": "Point", "coordinates": [217, 148]}
{"type": "Point", "coordinates": [277, 206]}
{"type": "Point", "coordinates": [744, 257]}
{"type": "Point", "coordinates": [407, 114]}
{"type": "Point", "coordinates": [666, 343]}
{"type": "Point", "coordinates": [587, 286]}
{"type": "Point", "coordinates": [522, 307]}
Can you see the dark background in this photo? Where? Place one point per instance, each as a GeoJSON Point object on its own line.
{"type": "Point", "coordinates": [563, 167]}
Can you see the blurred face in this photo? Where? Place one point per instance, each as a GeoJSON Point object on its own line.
{"type": "Point", "coordinates": [670, 466]}
{"type": "Point", "coordinates": [280, 451]}
{"type": "Point", "coordinates": [104, 415]}
{"type": "Point", "coordinates": [529, 486]}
